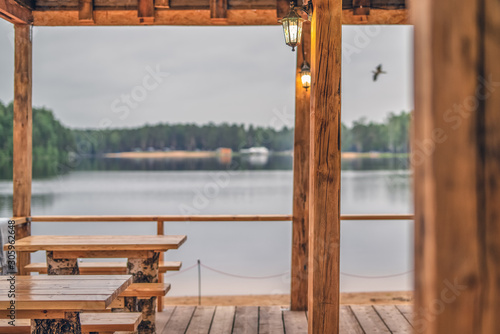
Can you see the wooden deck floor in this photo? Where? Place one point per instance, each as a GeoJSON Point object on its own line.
{"type": "Point", "coordinates": [355, 319]}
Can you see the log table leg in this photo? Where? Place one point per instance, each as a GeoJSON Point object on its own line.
{"type": "Point", "coordinates": [69, 325]}
{"type": "Point", "coordinates": [61, 266]}
{"type": "Point", "coordinates": [144, 271]}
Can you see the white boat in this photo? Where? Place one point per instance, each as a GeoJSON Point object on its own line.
{"type": "Point", "coordinates": [255, 151]}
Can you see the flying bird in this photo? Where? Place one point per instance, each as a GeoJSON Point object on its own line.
{"type": "Point", "coordinates": [377, 72]}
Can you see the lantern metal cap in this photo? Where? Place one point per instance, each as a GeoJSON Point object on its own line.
{"type": "Point", "coordinates": [305, 67]}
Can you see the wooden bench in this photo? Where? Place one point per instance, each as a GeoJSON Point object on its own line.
{"type": "Point", "coordinates": [141, 291]}
{"type": "Point", "coordinates": [103, 268]}
{"type": "Point", "coordinates": [108, 268]}
{"type": "Point", "coordinates": [146, 290]}
{"type": "Point", "coordinates": [103, 323]}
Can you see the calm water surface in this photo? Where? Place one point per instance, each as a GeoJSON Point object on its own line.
{"type": "Point", "coordinates": [249, 249]}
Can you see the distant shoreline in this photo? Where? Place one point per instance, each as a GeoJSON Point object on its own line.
{"type": "Point", "coordinates": [212, 154]}
{"type": "Point", "coordinates": [162, 155]}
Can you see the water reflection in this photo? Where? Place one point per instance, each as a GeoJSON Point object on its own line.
{"type": "Point", "coordinates": [131, 187]}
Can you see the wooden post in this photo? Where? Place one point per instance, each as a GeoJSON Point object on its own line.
{"type": "Point", "coordinates": [457, 167]}
{"type": "Point", "coordinates": [300, 222]}
{"type": "Point", "coordinates": [160, 230]}
{"type": "Point", "coordinates": [21, 202]}
{"type": "Point", "coordinates": [144, 271]}
{"type": "Point", "coordinates": [324, 186]}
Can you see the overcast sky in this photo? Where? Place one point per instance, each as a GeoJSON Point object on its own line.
{"type": "Point", "coordinates": [101, 76]}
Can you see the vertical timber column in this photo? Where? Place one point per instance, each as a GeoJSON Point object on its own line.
{"type": "Point", "coordinates": [457, 166]}
{"type": "Point", "coordinates": [324, 200]}
{"type": "Point", "coordinates": [300, 223]}
{"type": "Point", "coordinates": [21, 203]}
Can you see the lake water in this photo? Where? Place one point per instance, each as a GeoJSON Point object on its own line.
{"type": "Point", "coordinates": [251, 249]}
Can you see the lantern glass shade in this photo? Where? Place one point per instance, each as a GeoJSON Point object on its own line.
{"type": "Point", "coordinates": [292, 28]}
{"type": "Point", "coordinates": [305, 75]}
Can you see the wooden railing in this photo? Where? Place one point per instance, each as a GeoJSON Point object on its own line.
{"type": "Point", "coordinates": [199, 218]}
{"type": "Point", "coordinates": [194, 218]}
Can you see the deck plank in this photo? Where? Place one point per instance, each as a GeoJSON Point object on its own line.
{"type": "Point", "coordinates": [179, 320]}
{"type": "Point", "coordinates": [393, 319]}
{"type": "Point", "coordinates": [348, 322]}
{"type": "Point", "coordinates": [407, 311]}
{"type": "Point", "coordinates": [369, 319]}
{"type": "Point", "coordinates": [163, 317]}
{"type": "Point", "coordinates": [223, 320]}
{"type": "Point", "coordinates": [246, 320]}
{"type": "Point", "coordinates": [354, 319]}
{"type": "Point", "coordinates": [295, 322]}
{"type": "Point", "coordinates": [270, 320]}
{"type": "Point", "coordinates": [201, 320]}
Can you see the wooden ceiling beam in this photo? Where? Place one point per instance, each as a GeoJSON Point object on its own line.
{"type": "Point", "coordinates": [218, 10]}
{"type": "Point", "coordinates": [15, 13]}
{"type": "Point", "coordinates": [203, 17]}
{"type": "Point", "coordinates": [377, 16]}
{"type": "Point", "coordinates": [86, 11]}
{"type": "Point", "coordinates": [282, 8]}
{"type": "Point", "coordinates": [162, 4]}
{"type": "Point", "coordinates": [162, 17]}
{"type": "Point", "coordinates": [146, 11]}
{"type": "Point", "coordinates": [361, 7]}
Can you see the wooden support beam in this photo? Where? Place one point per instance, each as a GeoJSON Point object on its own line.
{"type": "Point", "coordinates": [146, 11]}
{"type": "Point", "coordinates": [377, 16]}
{"type": "Point", "coordinates": [162, 4]}
{"type": "Point", "coordinates": [218, 9]}
{"type": "Point", "coordinates": [201, 17]}
{"type": "Point", "coordinates": [86, 11]}
{"type": "Point", "coordinates": [282, 8]}
{"type": "Point", "coordinates": [457, 167]}
{"type": "Point", "coordinates": [324, 186]}
{"type": "Point", "coordinates": [15, 13]}
{"type": "Point", "coordinates": [21, 202]}
{"type": "Point", "coordinates": [162, 17]}
{"type": "Point", "coordinates": [361, 7]}
{"type": "Point", "coordinates": [300, 222]}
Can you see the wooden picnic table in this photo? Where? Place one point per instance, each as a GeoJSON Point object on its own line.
{"type": "Point", "coordinates": [142, 253]}
{"type": "Point", "coordinates": [52, 301]}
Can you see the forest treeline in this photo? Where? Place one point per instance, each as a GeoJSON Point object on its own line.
{"type": "Point", "coordinates": [53, 141]}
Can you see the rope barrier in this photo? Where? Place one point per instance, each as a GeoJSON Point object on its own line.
{"type": "Point", "coordinates": [241, 276]}
{"type": "Point", "coordinates": [377, 277]}
{"type": "Point", "coordinates": [280, 275]}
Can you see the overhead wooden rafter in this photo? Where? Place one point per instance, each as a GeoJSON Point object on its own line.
{"type": "Point", "coordinates": [146, 11]}
{"type": "Point", "coordinates": [15, 12]}
{"type": "Point", "coordinates": [200, 12]}
{"type": "Point", "coordinates": [86, 11]}
{"type": "Point", "coordinates": [218, 10]}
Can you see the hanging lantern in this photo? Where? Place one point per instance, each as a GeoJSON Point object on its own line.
{"type": "Point", "coordinates": [292, 27]}
{"type": "Point", "coordinates": [305, 75]}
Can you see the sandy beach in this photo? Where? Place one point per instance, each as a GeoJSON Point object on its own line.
{"type": "Point", "coordinates": [360, 298]}
{"type": "Point", "coordinates": [162, 155]}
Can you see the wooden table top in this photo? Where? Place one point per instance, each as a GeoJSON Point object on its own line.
{"type": "Point", "coordinates": [158, 243]}
{"type": "Point", "coordinates": [42, 292]}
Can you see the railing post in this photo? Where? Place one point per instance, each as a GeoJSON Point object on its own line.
{"type": "Point", "coordinates": [324, 186]}
{"type": "Point", "coordinates": [300, 221]}
{"type": "Point", "coordinates": [22, 134]}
